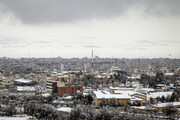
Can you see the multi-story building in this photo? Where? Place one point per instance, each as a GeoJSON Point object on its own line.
{"type": "Point", "coordinates": [161, 106]}
{"type": "Point", "coordinates": [121, 95]}
{"type": "Point", "coordinates": [63, 77]}
{"type": "Point", "coordinates": [2, 86]}
{"type": "Point", "coordinates": [105, 97]}
{"type": "Point", "coordinates": [69, 89]}
{"type": "Point", "coordinates": [112, 89]}
{"type": "Point", "coordinates": [51, 86]}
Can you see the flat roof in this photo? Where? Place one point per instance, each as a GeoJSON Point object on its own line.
{"type": "Point", "coordinates": [128, 92]}
{"type": "Point", "coordinates": [25, 88]}
{"type": "Point", "coordinates": [121, 88]}
{"type": "Point", "coordinates": [22, 80]}
{"type": "Point", "coordinates": [108, 95]}
{"type": "Point", "coordinates": [167, 104]}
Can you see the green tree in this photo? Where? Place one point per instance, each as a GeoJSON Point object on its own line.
{"type": "Point", "coordinates": [90, 99]}
{"type": "Point", "coordinates": [151, 100]}
{"type": "Point", "coordinates": [162, 99]}
{"type": "Point", "coordinates": [144, 80]}
{"type": "Point", "coordinates": [159, 78]}
{"type": "Point", "coordinates": [173, 97]}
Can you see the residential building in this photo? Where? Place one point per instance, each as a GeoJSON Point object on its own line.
{"type": "Point", "coordinates": [51, 86]}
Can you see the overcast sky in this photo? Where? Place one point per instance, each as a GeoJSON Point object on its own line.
{"type": "Point", "coordinates": [72, 28]}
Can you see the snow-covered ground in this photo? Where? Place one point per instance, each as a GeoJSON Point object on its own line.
{"type": "Point", "coordinates": [14, 118]}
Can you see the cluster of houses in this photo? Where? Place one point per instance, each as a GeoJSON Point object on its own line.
{"type": "Point", "coordinates": [60, 83]}
{"type": "Point", "coordinates": [124, 96]}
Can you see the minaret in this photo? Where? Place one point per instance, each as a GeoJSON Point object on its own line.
{"type": "Point", "coordinates": [62, 67]}
{"type": "Point", "coordinates": [85, 69]}
{"type": "Point", "coordinates": [92, 64]}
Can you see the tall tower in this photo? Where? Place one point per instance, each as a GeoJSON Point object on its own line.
{"type": "Point", "coordinates": [85, 68]}
{"type": "Point", "coordinates": [92, 64]}
{"type": "Point", "coordinates": [62, 67]}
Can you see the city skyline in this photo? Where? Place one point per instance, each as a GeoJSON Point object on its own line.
{"type": "Point", "coordinates": [119, 29]}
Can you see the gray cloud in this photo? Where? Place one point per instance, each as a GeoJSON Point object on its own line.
{"type": "Point", "coordinates": [145, 44]}
{"type": "Point", "coordinates": [52, 11]}
{"type": "Point", "coordinates": [92, 46]}
{"type": "Point", "coordinates": [145, 41]}
{"type": "Point", "coordinates": [14, 45]}
{"type": "Point", "coordinates": [68, 46]}
{"type": "Point", "coordinates": [10, 40]}
{"type": "Point", "coordinates": [171, 41]}
{"type": "Point", "coordinates": [7, 42]}
{"type": "Point", "coordinates": [135, 48]}
{"type": "Point", "coordinates": [44, 42]}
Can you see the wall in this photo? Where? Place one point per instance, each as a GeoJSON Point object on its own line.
{"type": "Point", "coordinates": [69, 90]}
{"type": "Point", "coordinates": [121, 101]}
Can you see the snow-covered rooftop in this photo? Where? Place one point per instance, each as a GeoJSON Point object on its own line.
{"type": "Point", "coordinates": [127, 92]}
{"type": "Point", "coordinates": [160, 85]}
{"type": "Point", "coordinates": [85, 93]}
{"type": "Point", "coordinates": [22, 80]}
{"type": "Point", "coordinates": [68, 97]}
{"type": "Point", "coordinates": [46, 95]}
{"type": "Point", "coordinates": [120, 88]}
{"type": "Point", "coordinates": [108, 95]}
{"type": "Point", "coordinates": [145, 89]}
{"type": "Point", "coordinates": [167, 104]}
{"type": "Point", "coordinates": [99, 76]}
{"type": "Point", "coordinates": [158, 94]}
{"type": "Point", "coordinates": [169, 74]}
{"type": "Point", "coordinates": [64, 109]}
{"type": "Point", "coordinates": [133, 77]}
{"type": "Point", "coordinates": [25, 88]}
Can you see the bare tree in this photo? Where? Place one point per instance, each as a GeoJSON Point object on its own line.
{"type": "Point", "coordinates": [170, 111]}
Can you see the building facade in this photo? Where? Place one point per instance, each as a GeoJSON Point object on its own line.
{"type": "Point", "coordinates": [106, 97]}
{"type": "Point", "coordinates": [51, 86]}
{"type": "Point", "coordinates": [69, 89]}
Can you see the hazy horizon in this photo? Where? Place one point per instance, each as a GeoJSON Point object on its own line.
{"type": "Point", "coordinates": [71, 29]}
{"type": "Point", "coordinates": [89, 57]}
